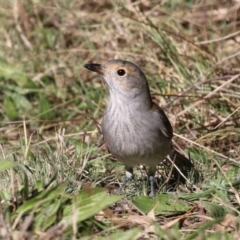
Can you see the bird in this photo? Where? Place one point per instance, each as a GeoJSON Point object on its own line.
{"type": "Point", "coordinates": [135, 129]}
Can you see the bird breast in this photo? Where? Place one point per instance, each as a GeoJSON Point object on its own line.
{"type": "Point", "coordinates": [134, 136]}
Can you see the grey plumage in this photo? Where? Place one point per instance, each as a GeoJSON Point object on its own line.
{"type": "Point", "coordinates": [136, 130]}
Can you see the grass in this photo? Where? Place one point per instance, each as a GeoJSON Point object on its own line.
{"type": "Point", "coordinates": [57, 182]}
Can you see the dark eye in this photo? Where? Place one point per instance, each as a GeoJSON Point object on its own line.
{"type": "Point", "coordinates": [121, 72]}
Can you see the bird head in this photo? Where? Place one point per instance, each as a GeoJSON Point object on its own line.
{"type": "Point", "coordinates": [122, 77]}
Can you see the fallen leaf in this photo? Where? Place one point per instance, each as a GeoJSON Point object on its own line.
{"type": "Point", "coordinates": [228, 224]}
{"type": "Point", "coordinates": [141, 220]}
{"type": "Point", "coordinates": [151, 214]}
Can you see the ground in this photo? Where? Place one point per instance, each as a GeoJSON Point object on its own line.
{"type": "Point", "coordinates": [57, 180]}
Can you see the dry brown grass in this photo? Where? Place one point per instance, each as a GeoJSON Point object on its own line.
{"type": "Point", "coordinates": [189, 51]}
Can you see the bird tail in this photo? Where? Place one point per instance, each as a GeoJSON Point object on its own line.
{"type": "Point", "coordinates": [184, 166]}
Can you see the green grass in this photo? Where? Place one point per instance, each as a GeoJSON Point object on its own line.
{"type": "Point", "coordinates": [57, 182]}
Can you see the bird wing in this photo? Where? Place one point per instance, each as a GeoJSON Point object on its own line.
{"type": "Point", "coordinates": [166, 126]}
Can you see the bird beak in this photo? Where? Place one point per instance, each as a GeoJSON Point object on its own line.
{"type": "Point", "coordinates": [95, 68]}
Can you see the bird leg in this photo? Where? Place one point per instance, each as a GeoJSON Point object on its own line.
{"type": "Point", "coordinates": [129, 174]}
{"type": "Point", "coordinates": [151, 174]}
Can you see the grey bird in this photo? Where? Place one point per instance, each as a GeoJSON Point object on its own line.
{"type": "Point", "coordinates": [136, 130]}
